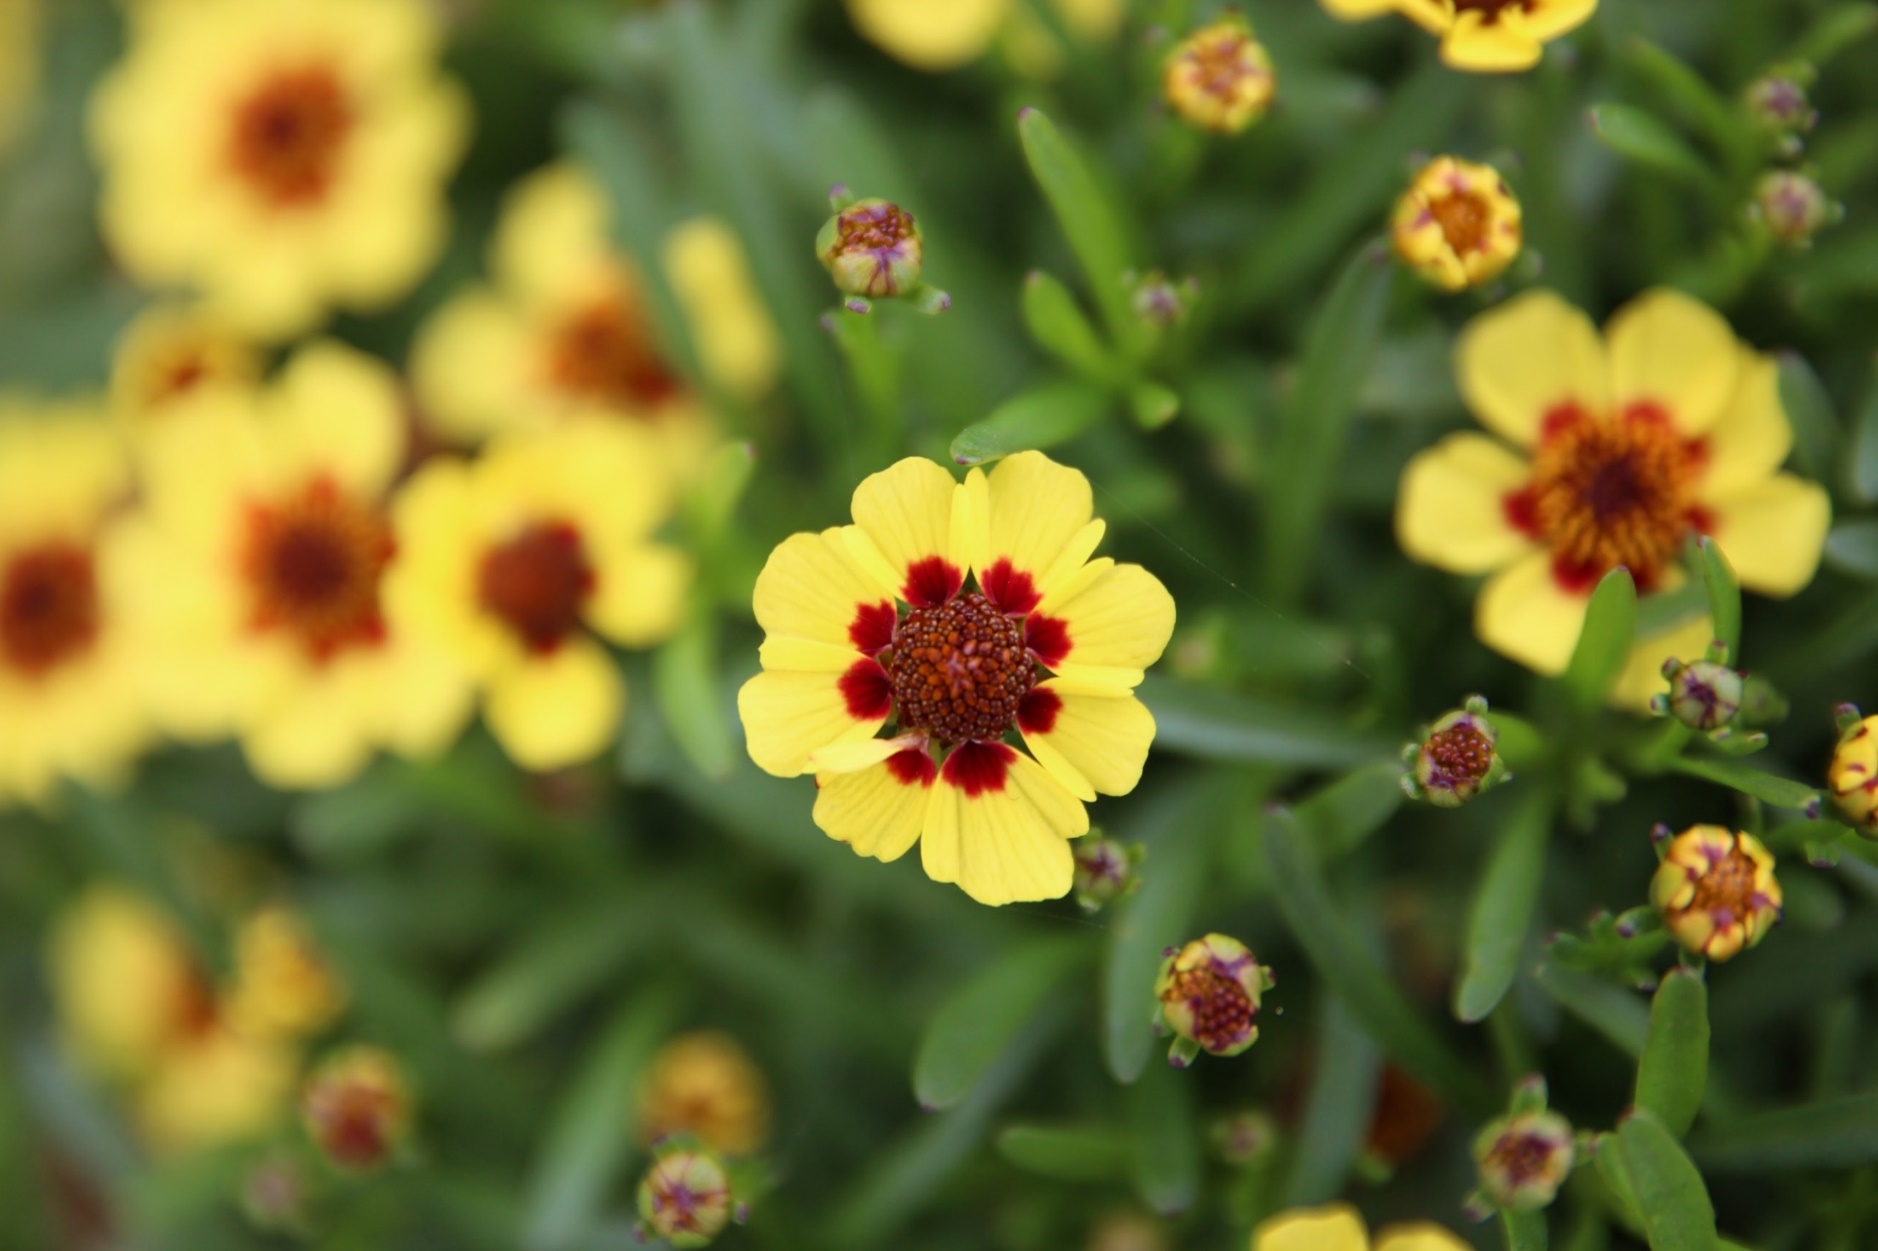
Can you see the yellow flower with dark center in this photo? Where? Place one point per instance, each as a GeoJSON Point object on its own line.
{"type": "Point", "coordinates": [875, 627]}
{"type": "Point", "coordinates": [65, 656]}
{"type": "Point", "coordinates": [258, 572]}
{"type": "Point", "coordinates": [283, 987]}
{"type": "Point", "coordinates": [706, 1085]}
{"type": "Point", "coordinates": [171, 355]}
{"type": "Point", "coordinates": [1853, 775]}
{"type": "Point", "coordinates": [1486, 36]}
{"type": "Point", "coordinates": [1219, 78]}
{"type": "Point", "coordinates": [1457, 225]}
{"type": "Point", "coordinates": [1338, 1228]}
{"type": "Point", "coordinates": [1716, 891]}
{"type": "Point", "coordinates": [944, 36]}
{"type": "Point", "coordinates": [282, 158]}
{"type": "Point", "coordinates": [125, 982]}
{"type": "Point", "coordinates": [1621, 449]}
{"type": "Point", "coordinates": [511, 565]}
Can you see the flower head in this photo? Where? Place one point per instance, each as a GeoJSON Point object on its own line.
{"type": "Point", "coordinates": [1778, 102]}
{"type": "Point", "coordinates": [1524, 1158]}
{"type": "Point", "coordinates": [1106, 870]}
{"type": "Point", "coordinates": [1457, 225]}
{"type": "Point", "coordinates": [1339, 1228]}
{"type": "Point", "coordinates": [282, 158]}
{"type": "Point", "coordinates": [172, 354]}
{"type": "Point", "coordinates": [357, 1107]}
{"type": "Point", "coordinates": [706, 1085]}
{"type": "Point", "coordinates": [1485, 36]}
{"type": "Point", "coordinates": [1456, 759]}
{"type": "Point", "coordinates": [948, 616]}
{"type": "Point", "coordinates": [871, 248]}
{"type": "Point", "coordinates": [1716, 890]}
{"type": "Point", "coordinates": [1621, 448]}
{"type": "Point", "coordinates": [1219, 78]}
{"type": "Point", "coordinates": [1853, 774]}
{"type": "Point", "coordinates": [283, 988]}
{"type": "Point", "coordinates": [1209, 997]}
{"type": "Point", "coordinates": [685, 1197]}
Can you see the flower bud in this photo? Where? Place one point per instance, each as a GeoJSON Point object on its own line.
{"type": "Point", "coordinates": [1209, 993]}
{"type": "Point", "coordinates": [1792, 207]}
{"type": "Point", "coordinates": [1778, 102]}
{"type": "Point", "coordinates": [685, 1197]}
{"type": "Point", "coordinates": [1105, 870]}
{"type": "Point", "coordinates": [274, 1195]}
{"type": "Point", "coordinates": [1523, 1159]}
{"type": "Point", "coordinates": [872, 248]}
{"type": "Point", "coordinates": [1455, 760]}
{"type": "Point", "coordinates": [357, 1108]}
{"type": "Point", "coordinates": [1219, 78]}
{"type": "Point", "coordinates": [1716, 890]}
{"type": "Point", "coordinates": [1244, 1138]}
{"type": "Point", "coordinates": [1853, 774]}
{"type": "Point", "coordinates": [706, 1084]}
{"type": "Point", "coordinates": [283, 987]}
{"type": "Point", "coordinates": [1160, 301]}
{"type": "Point", "coordinates": [1457, 225]}
{"type": "Point", "coordinates": [1704, 695]}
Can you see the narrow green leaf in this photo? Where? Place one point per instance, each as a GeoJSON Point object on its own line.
{"type": "Point", "coordinates": [1337, 1113]}
{"type": "Point", "coordinates": [1836, 30]}
{"type": "Point", "coordinates": [1852, 548]}
{"type": "Point", "coordinates": [1153, 404]}
{"type": "Point", "coordinates": [1649, 141]}
{"type": "Point", "coordinates": [1078, 1153]}
{"type": "Point", "coordinates": [1166, 1164]}
{"type": "Point", "coordinates": [981, 1020]}
{"type": "Point", "coordinates": [1525, 1231]}
{"type": "Point", "coordinates": [1503, 907]}
{"type": "Point", "coordinates": [1611, 1010]}
{"type": "Point", "coordinates": [685, 681]}
{"type": "Point", "coordinates": [1862, 467]}
{"type": "Point", "coordinates": [1057, 324]}
{"type": "Point", "coordinates": [1810, 413]}
{"type": "Point", "coordinates": [1671, 1199]}
{"type": "Point", "coordinates": [1724, 596]}
{"type": "Point", "coordinates": [362, 817]}
{"type": "Point", "coordinates": [1831, 1134]}
{"type": "Point", "coordinates": [1041, 417]}
{"type": "Point", "coordinates": [1766, 787]}
{"type": "Point", "coordinates": [548, 972]}
{"type": "Point", "coordinates": [1090, 220]}
{"type": "Point", "coordinates": [1346, 965]}
{"type": "Point", "coordinates": [1520, 743]}
{"type": "Point", "coordinates": [1673, 1070]}
{"type": "Point", "coordinates": [1215, 725]}
{"type": "Point", "coordinates": [1338, 818]}
{"type": "Point", "coordinates": [1604, 642]}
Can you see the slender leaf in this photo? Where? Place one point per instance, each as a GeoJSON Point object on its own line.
{"type": "Point", "coordinates": [982, 1019]}
{"type": "Point", "coordinates": [1836, 30]}
{"type": "Point", "coordinates": [1852, 548]}
{"type": "Point", "coordinates": [1610, 1010]}
{"type": "Point", "coordinates": [685, 681]}
{"type": "Point", "coordinates": [1338, 818]}
{"type": "Point", "coordinates": [1604, 642]}
{"type": "Point", "coordinates": [548, 972]}
{"type": "Point", "coordinates": [1044, 416]}
{"type": "Point", "coordinates": [1079, 1153]}
{"type": "Point", "coordinates": [1670, 1197]}
{"type": "Point", "coordinates": [1153, 404]}
{"type": "Point", "coordinates": [1166, 1165]}
{"type": "Point", "coordinates": [1692, 97]}
{"type": "Point", "coordinates": [1724, 596]}
{"type": "Point", "coordinates": [1504, 903]}
{"type": "Point", "coordinates": [1810, 413]}
{"type": "Point", "coordinates": [1057, 323]}
{"type": "Point", "coordinates": [1862, 466]}
{"type": "Point", "coordinates": [1831, 1134]}
{"type": "Point", "coordinates": [1338, 1111]}
{"type": "Point", "coordinates": [1214, 725]}
{"type": "Point", "coordinates": [1673, 1070]}
{"type": "Point", "coordinates": [1089, 219]}
{"type": "Point", "coordinates": [1766, 787]}
{"type": "Point", "coordinates": [1525, 1231]}
{"type": "Point", "coordinates": [1649, 141]}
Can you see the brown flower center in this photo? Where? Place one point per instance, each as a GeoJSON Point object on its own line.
{"type": "Point", "coordinates": [1610, 493]}
{"type": "Point", "coordinates": [959, 670]}
{"type": "Point", "coordinates": [1521, 1158]}
{"type": "Point", "coordinates": [1490, 10]}
{"type": "Point", "coordinates": [1222, 1011]}
{"type": "Point", "coordinates": [1727, 886]}
{"type": "Point", "coordinates": [1463, 217]}
{"type": "Point", "coordinates": [313, 562]}
{"type": "Point", "coordinates": [48, 607]}
{"type": "Point", "coordinates": [605, 352]}
{"type": "Point", "coordinates": [874, 227]}
{"type": "Point", "coordinates": [289, 134]}
{"type": "Point", "coordinates": [1461, 752]}
{"type": "Point", "coordinates": [537, 583]}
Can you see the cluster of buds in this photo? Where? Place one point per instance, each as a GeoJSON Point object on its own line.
{"type": "Point", "coordinates": [1219, 78]}
{"type": "Point", "coordinates": [1525, 1156]}
{"type": "Point", "coordinates": [1106, 870]}
{"type": "Point", "coordinates": [1853, 775]}
{"type": "Point", "coordinates": [873, 250]}
{"type": "Point", "coordinates": [357, 1108]}
{"type": "Point", "coordinates": [1715, 889]}
{"type": "Point", "coordinates": [1458, 225]}
{"type": "Point", "coordinates": [1788, 205]}
{"type": "Point", "coordinates": [1455, 759]}
{"type": "Point", "coordinates": [1209, 994]}
{"type": "Point", "coordinates": [685, 1197]}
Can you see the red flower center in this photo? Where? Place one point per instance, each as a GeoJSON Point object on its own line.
{"type": "Point", "coordinates": [1522, 1158]}
{"type": "Point", "coordinates": [353, 1120]}
{"type": "Point", "coordinates": [605, 352]}
{"type": "Point", "coordinates": [960, 669]}
{"type": "Point", "coordinates": [48, 607]}
{"type": "Point", "coordinates": [313, 562]}
{"type": "Point", "coordinates": [289, 134]}
{"type": "Point", "coordinates": [1461, 752]}
{"type": "Point", "coordinates": [1218, 65]}
{"type": "Point", "coordinates": [873, 228]}
{"type": "Point", "coordinates": [1728, 886]}
{"type": "Point", "coordinates": [537, 583]}
{"type": "Point", "coordinates": [1222, 1011]}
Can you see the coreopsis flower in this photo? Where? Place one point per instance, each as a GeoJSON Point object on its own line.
{"type": "Point", "coordinates": [1484, 36]}
{"type": "Point", "coordinates": [282, 158]}
{"type": "Point", "coordinates": [19, 66]}
{"type": "Point", "coordinates": [1209, 997]}
{"type": "Point", "coordinates": [1339, 1228]}
{"type": "Point", "coordinates": [1609, 453]}
{"type": "Point", "coordinates": [258, 572]}
{"type": "Point", "coordinates": [125, 983]}
{"type": "Point", "coordinates": [1457, 225]}
{"type": "Point", "coordinates": [1853, 775]}
{"type": "Point", "coordinates": [172, 354]}
{"type": "Point", "coordinates": [512, 564]}
{"type": "Point", "coordinates": [1455, 759]}
{"type": "Point", "coordinates": [904, 648]}
{"type": "Point", "coordinates": [1524, 1159]}
{"type": "Point", "coordinates": [356, 1107]}
{"type": "Point", "coordinates": [1716, 890]}
{"type": "Point", "coordinates": [1219, 78]}
{"type": "Point", "coordinates": [685, 1197]}
{"type": "Point", "coordinates": [936, 37]}
{"type": "Point", "coordinates": [65, 655]}
{"type": "Point", "coordinates": [283, 987]}
{"type": "Point", "coordinates": [705, 1084]}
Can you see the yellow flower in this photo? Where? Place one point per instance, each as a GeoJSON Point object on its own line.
{"type": "Point", "coordinates": [1486, 36]}
{"type": "Point", "coordinates": [19, 66]}
{"type": "Point", "coordinates": [705, 1084]}
{"type": "Point", "coordinates": [873, 626]}
{"type": "Point", "coordinates": [1457, 225]}
{"type": "Point", "coordinates": [1219, 78]}
{"type": "Point", "coordinates": [512, 563]}
{"type": "Point", "coordinates": [172, 354]}
{"type": "Point", "coordinates": [1339, 1228]}
{"type": "Point", "coordinates": [735, 339]}
{"type": "Point", "coordinates": [1621, 449]}
{"type": "Point", "coordinates": [934, 37]}
{"type": "Point", "coordinates": [283, 988]}
{"type": "Point", "coordinates": [125, 982]}
{"type": "Point", "coordinates": [216, 1088]}
{"type": "Point", "coordinates": [357, 1107]}
{"type": "Point", "coordinates": [1853, 775]}
{"type": "Point", "coordinates": [258, 570]}
{"type": "Point", "coordinates": [65, 655]}
{"type": "Point", "coordinates": [1716, 891]}
{"type": "Point", "coordinates": [282, 158]}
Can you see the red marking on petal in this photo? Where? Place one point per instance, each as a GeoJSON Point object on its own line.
{"type": "Point", "coordinates": [931, 581]}
{"type": "Point", "coordinates": [1520, 509]}
{"type": "Point", "coordinates": [912, 767]}
{"type": "Point", "coordinates": [1574, 578]}
{"type": "Point", "coordinates": [868, 691]}
{"type": "Point", "coordinates": [1011, 589]}
{"type": "Point", "coordinates": [1695, 453]}
{"type": "Point", "coordinates": [1702, 520]}
{"type": "Point", "coordinates": [978, 768]}
{"type": "Point", "coordinates": [1048, 639]}
{"type": "Point", "coordinates": [871, 631]}
{"type": "Point", "coordinates": [1560, 418]}
{"type": "Point", "coordinates": [1037, 711]}
{"type": "Point", "coordinates": [1647, 412]}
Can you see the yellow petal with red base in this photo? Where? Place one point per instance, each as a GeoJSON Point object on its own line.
{"type": "Point", "coordinates": [812, 589]}
{"type": "Point", "coordinates": [559, 709]}
{"type": "Point", "coordinates": [1751, 438]}
{"type": "Point", "coordinates": [789, 716]}
{"type": "Point", "coordinates": [639, 596]}
{"type": "Point", "coordinates": [1669, 350]}
{"type": "Point", "coordinates": [1117, 618]}
{"type": "Point", "coordinates": [880, 810]}
{"type": "Point", "coordinates": [1451, 510]}
{"type": "Point", "coordinates": [1088, 743]}
{"type": "Point", "coordinates": [905, 511]}
{"type": "Point", "coordinates": [998, 824]}
{"type": "Point", "coordinates": [1333, 1228]}
{"type": "Point", "coordinates": [1036, 510]}
{"type": "Point", "coordinates": [1773, 532]}
{"type": "Point", "coordinates": [1533, 355]}
{"type": "Point", "coordinates": [1523, 613]}
{"type": "Point", "coordinates": [1497, 47]}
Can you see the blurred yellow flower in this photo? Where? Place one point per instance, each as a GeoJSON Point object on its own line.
{"type": "Point", "coordinates": [19, 66]}
{"type": "Point", "coordinates": [1716, 890]}
{"type": "Point", "coordinates": [257, 577]}
{"type": "Point", "coordinates": [1457, 225]}
{"type": "Point", "coordinates": [283, 987]}
{"type": "Point", "coordinates": [510, 564]}
{"type": "Point", "coordinates": [1626, 446]}
{"type": "Point", "coordinates": [1047, 643]}
{"type": "Point", "coordinates": [282, 158]}
{"type": "Point", "coordinates": [1219, 78]}
{"type": "Point", "coordinates": [65, 655]}
{"type": "Point", "coordinates": [171, 354]}
{"type": "Point", "coordinates": [125, 982]}
{"type": "Point", "coordinates": [218, 1087]}
{"type": "Point", "coordinates": [357, 1107]}
{"type": "Point", "coordinates": [705, 1084]}
{"type": "Point", "coordinates": [1486, 36]}
{"type": "Point", "coordinates": [1339, 1228]}
{"type": "Point", "coordinates": [942, 36]}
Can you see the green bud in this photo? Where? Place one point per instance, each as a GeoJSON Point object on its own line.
{"type": "Point", "coordinates": [872, 248]}
{"type": "Point", "coordinates": [1792, 207]}
{"type": "Point", "coordinates": [1704, 695]}
{"type": "Point", "coordinates": [685, 1197]}
{"type": "Point", "coordinates": [1105, 870]}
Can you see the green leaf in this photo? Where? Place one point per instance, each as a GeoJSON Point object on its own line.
{"type": "Point", "coordinates": [1214, 725]}
{"type": "Point", "coordinates": [1166, 1164]}
{"type": "Point", "coordinates": [1836, 30]}
{"type": "Point", "coordinates": [1649, 141]}
{"type": "Point", "coordinates": [1345, 964]}
{"type": "Point", "coordinates": [1810, 413]}
{"type": "Point", "coordinates": [1503, 908]}
{"type": "Point", "coordinates": [1673, 1070]}
{"type": "Point", "coordinates": [362, 817]}
{"type": "Point", "coordinates": [1041, 417]}
{"type": "Point", "coordinates": [1670, 1197]}
{"type": "Point", "coordinates": [1686, 91]}
{"type": "Point", "coordinates": [1153, 404]}
{"type": "Point", "coordinates": [1604, 642]}
{"type": "Point", "coordinates": [548, 972]}
{"type": "Point", "coordinates": [1077, 1153]}
{"type": "Point", "coordinates": [1612, 1011]}
{"type": "Point", "coordinates": [1057, 324]}
{"type": "Point", "coordinates": [1525, 1231]}
{"type": "Point", "coordinates": [1090, 221]}
{"type": "Point", "coordinates": [1852, 548]}
{"type": "Point", "coordinates": [685, 681]}
{"type": "Point", "coordinates": [1338, 818]}
{"type": "Point", "coordinates": [1338, 1111]}
{"type": "Point", "coordinates": [1307, 453]}
{"type": "Point", "coordinates": [1724, 596]}
{"type": "Point", "coordinates": [1766, 787]}
{"type": "Point", "coordinates": [710, 505]}
{"type": "Point", "coordinates": [1862, 467]}
{"type": "Point", "coordinates": [1831, 1134]}
{"type": "Point", "coordinates": [983, 1018]}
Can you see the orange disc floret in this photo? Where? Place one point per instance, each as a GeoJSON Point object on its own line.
{"type": "Point", "coordinates": [1716, 891]}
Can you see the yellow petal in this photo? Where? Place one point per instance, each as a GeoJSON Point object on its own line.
{"type": "Point", "coordinates": [906, 511]}
{"type": "Point", "coordinates": [1089, 743]}
{"type": "Point", "coordinates": [788, 716]}
{"type": "Point", "coordinates": [1523, 613]}
{"type": "Point", "coordinates": [1357, 10]}
{"type": "Point", "coordinates": [1642, 675]}
{"type": "Point", "coordinates": [639, 598]}
{"type": "Point", "coordinates": [1419, 1236]}
{"type": "Point", "coordinates": [736, 340]}
{"type": "Point", "coordinates": [424, 700]}
{"type": "Point", "coordinates": [1773, 532]}
{"type": "Point", "coordinates": [1433, 16]}
{"type": "Point", "coordinates": [559, 709]}
{"type": "Point", "coordinates": [1333, 1228]}
{"type": "Point", "coordinates": [927, 35]}
{"type": "Point", "coordinates": [1548, 19]}
{"type": "Point", "coordinates": [1483, 47]}
{"type": "Point", "coordinates": [811, 588]}
{"type": "Point", "coordinates": [552, 231]}
{"type": "Point", "coordinates": [1451, 509]}
{"type": "Point", "coordinates": [999, 826]}
{"type": "Point", "coordinates": [311, 738]}
{"type": "Point", "coordinates": [878, 811]}
{"type": "Point", "coordinates": [1675, 352]}
{"type": "Point", "coordinates": [338, 411]}
{"type": "Point", "coordinates": [857, 754]}
{"type": "Point", "coordinates": [1122, 618]}
{"type": "Point", "coordinates": [1036, 509]}
{"type": "Point", "coordinates": [470, 368]}
{"type": "Point", "coordinates": [1752, 437]}
{"type": "Point", "coordinates": [1532, 355]}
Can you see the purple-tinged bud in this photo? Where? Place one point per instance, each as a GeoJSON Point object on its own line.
{"type": "Point", "coordinates": [1105, 870]}
{"type": "Point", "coordinates": [1244, 1138]}
{"type": "Point", "coordinates": [1704, 695]}
{"type": "Point", "coordinates": [1779, 103]}
{"type": "Point", "coordinates": [1455, 760]}
{"type": "Point", "coordinates": [1209, 997]}
{"type": "Point", "coordinates": [872, 248]}
{"type": "Point", "coordinates": [1525, 1156]}
{"type": "Point", "coordinates": [1792, 207]}
{"type": "Point", "coordinates": [685, 1197]}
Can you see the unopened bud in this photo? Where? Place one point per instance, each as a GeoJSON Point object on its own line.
{"type": "Point", "coordinates": [274, 1194]}
{"type": "Point", "coordinates": [1792, 207]}
{"type": "Point", "coordinates": [1524, 1159]}
{"type": "Point", "coordinates": [1105, 870]}
{"type": "Point", "coordinates": [872, 248]}
{"type": "Point", "coordinates": [1219, 78]}
{"type": "Point", "coordinates": [1704, 695]}
{"type": "Point", "coordinates": [706, 1084]}
{"type": "Point", "coordinates": [357, 1107]}
{"type": "Point", "coordinates": [1458, 225]}
{"type": "Point", "coordinates": [1853, 774]}
{"type": "Point", "coordinates": [685, 1197]}
{"type": "Point", "coordinates": [1716, 891]}
{"type": "Point", "coordinates": [1778, 102]}
{"type": "Point", "coordinates": [1162, 302]}
{"type": "Point", "coordinates": [1209, 997]}
{"type": "Point", "coordinates": [1244, 1138]}
{"type": "Point", "coordinates": [1456, 759]}
{"type": "Point", "coordinates": [1127, 1231]}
